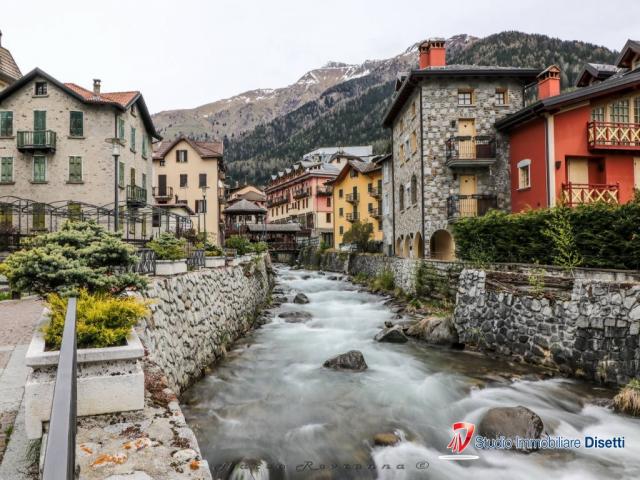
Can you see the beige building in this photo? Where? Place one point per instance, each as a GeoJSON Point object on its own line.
{"type": "Point", "coordinates": [191, 173]}
{"type": "Point", "coordinates": [57, 146]}
{"type": "Point", "coordinates": [9, 71]}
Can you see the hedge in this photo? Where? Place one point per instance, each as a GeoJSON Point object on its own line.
{"type": "Point", "coordinates": [601, 235]}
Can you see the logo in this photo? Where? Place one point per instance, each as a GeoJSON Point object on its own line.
{"type": "Point", "coordinates": [462, 435]}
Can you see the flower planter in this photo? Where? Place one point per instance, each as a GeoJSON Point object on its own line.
{"type": "Point", "coordinates": [214, 262]}
{"type": "Point", "coordinates": [171, 267]}
{"type": "Point", "coordinates": [247, 257]}
{"type": "Point", "coordinates": [109, 379]}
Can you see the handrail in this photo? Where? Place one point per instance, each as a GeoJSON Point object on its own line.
{"type": "Point", "coordinates": [60, 452]}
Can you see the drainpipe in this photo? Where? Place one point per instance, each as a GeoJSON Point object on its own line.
{"type": "Point", "coordinates": [422, 173]}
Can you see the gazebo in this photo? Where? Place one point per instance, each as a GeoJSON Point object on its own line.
{"type": "Point", "coordinates": [241, 214]}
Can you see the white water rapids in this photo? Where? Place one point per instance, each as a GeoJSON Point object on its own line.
{"type": "Point", "coordinates": [271, 399]}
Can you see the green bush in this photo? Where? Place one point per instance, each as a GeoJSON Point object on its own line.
{"type": "Point", "coordinates": [259, 247]}
{"type": "Point", "coordinates": [211, 250]}
{"type": "Point", "coordinates": [384, 281]}
{"type": "Point", "coordinates": [168, 247]}
{"type": "Point", "coordinates": [359, 234]}
{"type": "Point", "coordinates": [240, 244]}
{"type": "Point", "coordinates": [79, 255]}
{"type": "Point", "coordinates": [102, 320]}
{"type": "Point", "coordinates": [597, 235]}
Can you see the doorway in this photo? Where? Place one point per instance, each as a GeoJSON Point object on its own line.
{"type": "Point", "coordinates": [467, 145]}
{"type": "Point", "coordinates": [578, 171]}
{"type": "Point", "coordinates": [468, 203]}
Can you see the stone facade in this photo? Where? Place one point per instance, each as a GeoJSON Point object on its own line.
{"type": "Point", "coordinates": [387, 205]}
{"type": "Point", "coordinates": [195, 317]}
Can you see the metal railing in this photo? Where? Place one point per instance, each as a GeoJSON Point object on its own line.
{"type": "Point", "coordinates": [136, 194]}
{"type": "Point", "coordinates": [470, 205]}
{"type": "Point", "coordinates": [374, 212]}
{"type": "Point", "coordinates": [375, 192]}
{"type": "Point", "coordinates": [147, 262]}
{"type": "Point", "coordinates": [166, 192]}
{"type": "Point", "coordinates": [353, 216]}
{"type": "Point", "coordinates": [471, 148]}
{"type": "Point", "coordinates": [60, 451]}
{"type": "Point", "coordinates": [324, 191]}
{"type": "Point", "coordinates": [36, 140]}
{"type": "Point", "coordinates": [275, 201]}
{"type": "Point", "coordinates": [195, 259]}
{"type": "Point", "coordinates": [353, 197]}
{"type": "Point", "coordinates": [302, 193]}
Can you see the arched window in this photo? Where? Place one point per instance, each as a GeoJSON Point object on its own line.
{"type": "Point", "coordinates": [414, 190]}
{"type": "Point", "coordinates": [401, 197]}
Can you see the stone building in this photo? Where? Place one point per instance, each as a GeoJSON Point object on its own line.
{"type": "Point", "coordinates": [191, 173]}
{"type": "Point", "coordinates": [9, 70]}
{"type": "Point", "coordinates": [386, 202]}
{"type": "Point", "coordinates": [448, 160]}
{"type": "Point", "coordinates": [59, 141]}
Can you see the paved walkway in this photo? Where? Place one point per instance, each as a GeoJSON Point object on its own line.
{"type": "Point", "coordinates": [17, 322]}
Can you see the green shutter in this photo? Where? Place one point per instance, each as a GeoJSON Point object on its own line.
{"type": "Point", "coordinates": [121, 128]}
{"type": "Point", "coordinates": [39, 120]}
{"type": "Point", "coordinates": [144, 146]}
{"type": "Point", "coordinates": [75, 169]}
{"type": "Point", "coordinates": [39, 169]}
{"type": "Point", "coordinates": [6, 170]}
{"type": "Point", "coordinates": [144, 180]}
{"type": "Point", "coordinates": [121, 174]}
{"type": "Point", "coordinates": [76, 124]}
{"type": "Point", "coordinates": [6, 124]}
{"type": "Point", "coordinates": [133, 139]}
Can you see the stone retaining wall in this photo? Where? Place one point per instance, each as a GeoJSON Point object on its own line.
{"type": "Point", "coordinates": [196, 316]}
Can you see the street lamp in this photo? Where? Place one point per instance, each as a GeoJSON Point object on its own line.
{"type": "Point", "coordinates": [116, 154]}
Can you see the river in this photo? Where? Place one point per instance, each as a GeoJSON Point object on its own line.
{"type": "Point", "coordinates": [271, 399]}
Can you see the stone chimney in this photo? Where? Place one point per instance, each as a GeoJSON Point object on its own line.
{"type": "Point", "coordinates": [96, 86]}
{"type": "Point", "coordinates": [432, 53]}
{"type": "Point", "coordinates": [549, 82]}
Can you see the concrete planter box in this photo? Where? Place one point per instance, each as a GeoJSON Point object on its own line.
{"type": "Point", "coordinates": [109, 380]}
{"type": "Point", "coordinates": [214, 262]}
{"type": "Point", "coordinates": [171, 267]}
{"type": "Point", "coordinates": [233, 261]}
{"type": "Point", "coordinates": [246, 258]}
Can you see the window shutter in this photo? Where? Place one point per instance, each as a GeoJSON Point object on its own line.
{"type": "Point", "coordinates": [7, 170]}
{"type": "Point", "coordinates": [75, 169]}
{"type": "Point", "coordinates": [6, 124]}
{"type": "Point", "coordinates": [39, 173]}
{"type": "Point", "coordinates": [39, 120]}
{"type": "Point", "coordinates": [177, 156]}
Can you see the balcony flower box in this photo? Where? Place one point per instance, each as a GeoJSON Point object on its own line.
{"type": "Point", "coordinates": [171, 267]}
{"type": "Point", "coordinates": [109, 379]}
{"type": "Point", "coordinates": [214, 262]}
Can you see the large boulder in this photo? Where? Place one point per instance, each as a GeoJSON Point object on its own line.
{"type": "Point", "coordinates": [391, 335]}
{"type": "Point", "coordinates": [301, 298]}
{"type": "Point", "coordinates": [436, 330]}
{"type": "Point", "coordinates": [511, 422]}
{"type": "Point", "coordinates": [352, 360]}
{"type": "Point", "coordinates": [386, 439]}
{"type": "Point", "coordinates": [295, 317]}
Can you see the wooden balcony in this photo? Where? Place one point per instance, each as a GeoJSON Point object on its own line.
{"type": "Point", "coordinates": [165, 193]}
{"type": "Point", "coordinates": [37, 141]}
{"type": "Point", "coordinates": [353, 197]}
{"type": "Point", "coordinates": [375, 192]}
{"type": "Point", "coordinates": [353, 216]}
{"type": "Point", "coordinates": [465, 152]}
{"type": "Point", "coordinates": [460, 206]}
{"type": "Point", "coordinates": [136, 196]}
{"type": "Point", "coordinates": [578, 193]}
{"type": "Point", "coordinates": [302, 193]}
{"type": "Point", "coordinates": [613, 136]}
{"type": "Point", "coordinates": [325, 191]}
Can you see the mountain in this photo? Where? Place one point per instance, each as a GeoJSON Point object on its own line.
{"type": "Point", "coordinates": [340, 104]}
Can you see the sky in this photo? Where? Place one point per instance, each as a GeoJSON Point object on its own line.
{"type": "Point", "coordinates": [185, 53]}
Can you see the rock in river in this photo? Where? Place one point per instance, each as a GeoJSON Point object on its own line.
{"type": "Point", "coordinates": [511, 422]}
{"type": "Point", "coordinates": [250, 469]}
{"type": "Point", "coordinates": [386, 439]}
{"type": "Point", "coordinates": [391, 335]}
{"type": "Point", "coordinates": [352, 360]}
{"type": "Point", "coordinates": [295, 317]}
{"type": "Point", "coordinates": [301, 298]}
{"type": "Point", "coordinates": [436, 330]}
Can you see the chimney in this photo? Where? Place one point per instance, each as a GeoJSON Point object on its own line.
{"type": "Point", "coordinates": [96, 86]}
{"type": "Point", "coordinates": [432, 53]}
{"type": "Point", "coordinates": [549, 82]}
{"type": "Point", "coordinates": [424, 55]}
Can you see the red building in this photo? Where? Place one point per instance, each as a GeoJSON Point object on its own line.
{"type": "Point", "coordinates": [581, 146]}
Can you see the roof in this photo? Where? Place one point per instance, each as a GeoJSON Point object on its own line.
{"type": "Point", "coordinates": [616, 83]}
{"type": "Point", "coordinates": [9, 69]}
{"type": "Point", "coordinates": [526, 75]}
{"type": "Point", "coordinates": [358, 150]}
{"type": "Point", "coordinates": [244, 206]}
{"type": "Point", "coordinates": [251, 196]}
{"type": "Point", "coordinates": [596, 71]}
{"type": "Point", "coordinates": [119, 100]}
{"type": "Point", "coordinates": [176, 206]}
{"type": "Point", "coordinates": [204, 149]}
{"type": "Point", "coordinates": [274, 227]}
{"type": "Point", "coordinates": [362, 167]}
{"type": "Point", "coordinates": [382, 158]}
{"type": "Point", "coordinates": [628, 52]}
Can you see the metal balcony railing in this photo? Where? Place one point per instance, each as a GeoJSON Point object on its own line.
{"type": "Point", "coordinates": [136, 195]}
{"type": "Point", "coordinates": [353, 216]}
{"type": "Point", "coordinates": [578, 193]}
{"type": "Point", "coordinates": [324, 191]}
{"type": "Point", "coordinates": [613, 136]}
{"type": "Point", "coordinates": [38, 140]}
{"type": "Point", "coordinates": [163, 192]}
{"type": "Point", "coordinates": [481, 147]}
{"type": "Point", "coordinates": [353, 197]}
{"type": "Point", "coordinates": [275, 201]}
{"type": "Point", "coordinates": [375, 192]}
{"type": "Point", "coordinates": [302, 193]}
{"type": "Point", "coordinates": [477, 205]}
{"type": "Point", "coordinates": [375, 213]}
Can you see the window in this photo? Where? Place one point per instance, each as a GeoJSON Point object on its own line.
{"type": "Point", "coordinates": [369, 187]}
{"type": "Point", "coordinates": [144, 146]}
{"type": "Point", "coordinates": [6, 170]}
{"type": "Point", "coordinates": [524, 174]}
{"type": "Point", "coordinates": [465, 97]}
{"type": "Point", "coordinates": [597, 114]}
{"type": "Point", "coordinates": [369, 207]}
{"type": "Point", "coordinates": [183, 180]}
{"type": "Point", "coordinates": [620, 111]}
{"type": "Point", "coordinates": [181, 156]}
{"type": "Point", "coordinates": [341, 212]}
{"type": "Point", "coordinates": [75, 169]}
{"type": "Point", "coordinates": [162, 162]}
{"type": "Point", "coordinates": [401, 197]}
{"type": "Point", "coordinates": [201, 206]}
{"type": "Point", "coordinates": [636, 110]}
{"type": "Point", "coordinates": [414, 142]}
{"type": "Point", "coordinates": [76, 124]}
{"type": "Point", "coordinates": [121, 174]}
{"type": "Point", "coordinates": [39, 169]}
{"type": "Point", "coordinates": [341, 229]}
{"type": "Point", "coordinates": [6, 124]}
{"type": "Point", "coordinates": [202, 180]}
{"type": "Point", "coordinates": [143, 183]}
{"type": "Point", "coordinates": [501, 96]}
{"type": "Point", "coordinates": [328, 219]}
{"type": "Point", "coordinates": [133, 139]}
{"type": "Point", "coordinates": [414, 190]}
{"type": "Point", "coordinates": [38, 216]}
{"type": "Point", "coordinates": [74, 210]}
{"type": "Point", "coordinates": [340, 193]}
{"type": "Point", "coordinates": [41, 88]}
{"type": "Point", "coordinates": [132, 176]}
{"type": "Point", "coordinates": [353, 173]}
{"type": "Point", "coordinates": [328, 201]}
{"type": "Point", "coordinates": [121, 128]}
{"type": "Point", "coordinates": [6, 216]}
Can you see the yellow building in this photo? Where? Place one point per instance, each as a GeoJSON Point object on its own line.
{"type": "Point", "coordinates": [357, 197]}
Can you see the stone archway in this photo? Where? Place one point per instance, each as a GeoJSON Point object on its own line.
{"type": "Point", "coordinates": [399, 252]}
{"type": "Point", "coordinates": [418, 246]}
{"type": "Point", "coordinates": [442, 246]}
{"type": "Point", "coordinates": [407, 247]}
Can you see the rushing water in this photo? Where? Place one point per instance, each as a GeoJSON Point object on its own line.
{"type": "Point", "coordinates": [271, 399]}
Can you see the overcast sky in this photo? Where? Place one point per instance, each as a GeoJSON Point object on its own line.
{"type": "Point", "coordinates": [184, 53]}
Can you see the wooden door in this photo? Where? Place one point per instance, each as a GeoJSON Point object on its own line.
{"type": "Point", "coordinates": [468, 203]}
{"type": "Point", "coordinates": [578, 170]}
{"type": "Point", "coordinates": [162, 185]}
{"type": "Point", "coordinates": [636, 173]}
{"type": "Point", "coordinates": [467, 145]}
